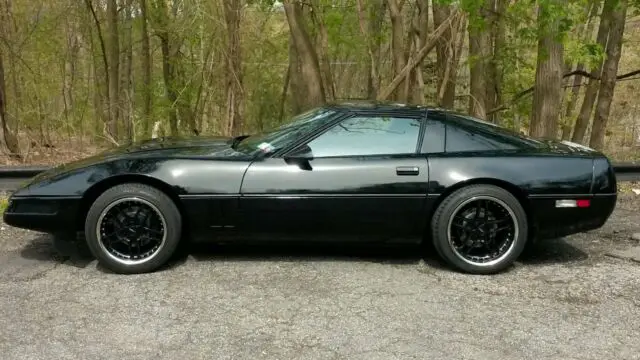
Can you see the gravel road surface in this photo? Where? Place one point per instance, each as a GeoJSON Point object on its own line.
{"type": "Point", "coordinates": [565, 299]}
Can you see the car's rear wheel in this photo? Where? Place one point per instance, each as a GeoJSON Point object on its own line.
{"type": "Point", "coordinates": [480, 229]}
{"type": "Point", "coordinates": [133, 228]}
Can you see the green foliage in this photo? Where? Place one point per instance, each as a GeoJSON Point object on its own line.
{"type": "Point", "coordinates": [525, 23]}
{"type": "Point", "coordinates": [588, 53]}
{"type": "Point", "coordinates": [40, 47]}
{"type": "Point", "coordinates": [4, 202]}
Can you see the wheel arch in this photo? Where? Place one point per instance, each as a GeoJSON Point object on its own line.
{"type": "Point", "coordinates": [92, 193]}
{"type": "Point", "coordinates": [513, 189]}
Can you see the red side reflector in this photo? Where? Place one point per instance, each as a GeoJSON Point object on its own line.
{"type": "Point", "coordinates": [583, 203]}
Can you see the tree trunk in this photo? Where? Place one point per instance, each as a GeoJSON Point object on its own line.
{"type": "Point", "coordinates": [571, 105]}
{"type": "Point", "coordinates": [582, 122]}
{"type": "Point", "coordinates": [494, 74]}
{"type": "Point", "coordinates": [179, 106]}
{"type": "Point", "coordinates": [69, 71]}
{"type": "Point", "coordinates": [8, 139]}
{"type": "Point", "coordinates": [296, 81]}
{"type": "Point", "coordinates": [422, 31]}
{"type": "Point", "coordinates": [479, 45]}
{"type": "Point", "coordinates": [446, 59]}
{"type": "Point", "coordinates": [146, 71]}
{"type": "Point", "coordinates": [371, 30]}
{"type": "Point", "coordinates": [398, 50]}
{"type": "Point", "coordinates": [547, 96]}
{"type": "Point", "coordinates": [322, 49]}
{"type": "Point", "coordinates": [285, 88]}
{"type": "Point", "coordinates": [126, 85]}
{"type": "Point", "coordinates": [567, 123]}
{"type": "Point", "coordinates": [234, 88]}
{"type": "Point", "coordinates": [609, 72]}
{"type": "Point", "coordinates": [167, 74]}
{"type": "Point", "coordinates": [309, 75]}
{"type": "Point", "coordinates": [101, 100]}
{"type": "Point", "coordinates": [114, 64]}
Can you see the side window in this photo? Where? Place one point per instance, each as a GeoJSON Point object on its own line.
{"type": "Point", "coordinates": [434, 134]}
{"type": "Point", "coordinates": [461, 138]}
{"type": "Point", "coordinates": [359, 136]}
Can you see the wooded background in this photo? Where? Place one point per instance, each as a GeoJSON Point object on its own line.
{"type": "Point", "coordinates": [77, 76]}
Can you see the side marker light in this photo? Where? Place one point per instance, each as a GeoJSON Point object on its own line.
{"type": "Point", "coordinates": [584, 203]}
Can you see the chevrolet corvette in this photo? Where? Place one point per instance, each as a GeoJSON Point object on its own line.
{"type": "Point", "coordinates": [352, 171]}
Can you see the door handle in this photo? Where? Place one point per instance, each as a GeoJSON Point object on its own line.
{"type": "Point", "coordinates": [407, 170]}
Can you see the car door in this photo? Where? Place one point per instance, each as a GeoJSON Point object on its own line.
{"type": "Point", "coordinates": [365, 178]}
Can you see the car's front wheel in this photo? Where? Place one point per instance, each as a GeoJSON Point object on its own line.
{"type": "Point", "coordinates": [480, 229]}
{"type": "Point", "coordinates": [133, 228]}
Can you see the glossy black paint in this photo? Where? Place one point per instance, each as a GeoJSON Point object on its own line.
{"type": "Point", "coordinates": [225, 194]}
{"type": "Point", "coordinates": [342, 196]}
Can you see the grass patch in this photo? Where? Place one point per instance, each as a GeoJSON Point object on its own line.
{"type": "Point", "coordinates": [3, 204]}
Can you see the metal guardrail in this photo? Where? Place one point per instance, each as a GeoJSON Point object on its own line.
{"type": "Point", "coordinates": [21, 172]}
{"type": "Point", "coordinates": [11, 176]}
{"type": "Point", "coordinates": [630, 167]}
{"type": "Point", "coordinates": [627, 171]}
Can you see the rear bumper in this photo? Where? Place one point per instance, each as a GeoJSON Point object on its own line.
{"type": "Point", "coordinates": [553, 222]}
{"type": "Point", "coordinates": [45, 214]}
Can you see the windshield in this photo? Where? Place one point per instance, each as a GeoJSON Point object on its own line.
{"type": "Point", "coordinates": [280, 137]}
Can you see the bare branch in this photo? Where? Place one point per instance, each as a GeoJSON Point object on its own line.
{"type": "Point", "coordinates": [528, 91]}
{"type": "Point", "coordinates": [415, 60]}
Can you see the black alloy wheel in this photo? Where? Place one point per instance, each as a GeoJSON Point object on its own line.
{"type": "Point", "coordinates": [480, 229]}
{"type": "Point", "coordinates": [133, 228]}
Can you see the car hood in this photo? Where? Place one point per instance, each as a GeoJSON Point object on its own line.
{"type": "Point", "coordinates": [165, 148]}
{"type": "Point", "coordinates": [212, 143]}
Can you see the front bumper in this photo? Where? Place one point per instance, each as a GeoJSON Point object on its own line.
{"type": "Point", "coordinates": [45, 214]}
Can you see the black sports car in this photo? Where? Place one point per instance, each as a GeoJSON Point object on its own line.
{"type": "Point", "coordinates": [349, 171]}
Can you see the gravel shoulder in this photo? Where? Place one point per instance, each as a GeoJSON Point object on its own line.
{"type": "Point", "coordinates": [565, 299]}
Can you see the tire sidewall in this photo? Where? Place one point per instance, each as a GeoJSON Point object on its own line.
{"type": "Point", "coordinates": [162, 202]}
{"type": "Point", "coordinates": [445, 211]}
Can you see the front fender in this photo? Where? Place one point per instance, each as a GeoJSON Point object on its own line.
{"type": "Point", "coordinates": [185, 176]}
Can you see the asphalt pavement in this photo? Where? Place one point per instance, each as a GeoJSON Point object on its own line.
{"type": "Point", "coordinates": [565, 299]}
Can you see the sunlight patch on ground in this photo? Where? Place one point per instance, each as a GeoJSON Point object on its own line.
{"type": "Point", "coordinates": [628, 187]}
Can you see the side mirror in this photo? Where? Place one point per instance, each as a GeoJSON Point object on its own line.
{"type": "Point", "coordinates": [301, 157]}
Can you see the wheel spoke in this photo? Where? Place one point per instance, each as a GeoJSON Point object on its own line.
{"type": "Point", "coordinates": [497, 221]}
{"type": "Point", "coordinates": [478, 209]}
{"type": "Point", "coordinates": [134, 217]}
{"type": "Point", "coordinates": [153, 231]}
{"type": "Point", "coordinates": [487, 239]}
{"type": "Point", "coordinates": [117, 222]}
{"type": "Point", "coordinates": [110, 235]}
{"type": "Point", "coordinates": [145, 220]}
{"type": "Point", "coordinates": [464, 227]}
{"type": "Point", "coordinates": [465, 248]}
{"type": "Point", "coordinates": [139, 246]}
{"type": "Point", "coordinates": [486, 210]}
{"type": "Point", "coordinates": [502, 228]}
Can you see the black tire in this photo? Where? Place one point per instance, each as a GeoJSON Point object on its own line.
{"type": "Point", "coordinates": [455, 202]}
{"type": "Point", "coordinates": [158, 204]}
